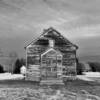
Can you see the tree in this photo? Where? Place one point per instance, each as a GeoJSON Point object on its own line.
{"type": "Point", "coordinates": [22, 60]}
{"type": "Point", "coordinates": [1, 69]}
{"type": "Point", "coordinates": [12, 58]}
{"type": "Point", "coordinates": [80, 67]}
{"type": "Point", "coordinates": [18, 64]}
{"type": "Point", "coordinates": [1, 53]}
{"type": "Point", "coordinates": [95, 66]}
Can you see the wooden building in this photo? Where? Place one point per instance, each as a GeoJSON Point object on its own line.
{"type": "Point", "coordinates": [50, 56]}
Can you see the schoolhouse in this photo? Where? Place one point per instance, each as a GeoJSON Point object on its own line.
{"type": "Point", "coordinates": [50, 56]}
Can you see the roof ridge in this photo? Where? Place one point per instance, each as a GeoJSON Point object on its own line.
{"type": "Point", "coordinates": [51, 29]}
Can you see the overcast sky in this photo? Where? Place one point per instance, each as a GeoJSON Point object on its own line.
{"type": "Point", "coordinates": [23, 20]}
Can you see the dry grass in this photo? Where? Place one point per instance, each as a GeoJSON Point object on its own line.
{"type": "Point", "coordinates": [73, 86]}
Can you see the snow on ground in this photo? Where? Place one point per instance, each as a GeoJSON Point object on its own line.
{"type": "Point", "coordinates": [83, 77]}
{"type": "Point", "coordinates": [88, 76]}
{"type": "Point", "coordinates": [9, 76]}
{"type": "Point", "coordinates": [92, 74]}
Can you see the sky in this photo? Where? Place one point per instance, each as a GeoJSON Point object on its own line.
{"type": "Point", "coordinates": [21, 21]}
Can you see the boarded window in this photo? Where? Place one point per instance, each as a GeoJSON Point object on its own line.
{"type": "Point", "coordinates": [35, 60]}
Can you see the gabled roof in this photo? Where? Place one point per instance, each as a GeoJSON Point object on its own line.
{"type": "Point", "coordinates": [55, 35]}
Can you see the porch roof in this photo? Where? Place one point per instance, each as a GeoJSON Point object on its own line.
{"type": "Point", "coordinates": [51, 49]}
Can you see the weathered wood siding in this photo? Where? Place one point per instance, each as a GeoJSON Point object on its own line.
{"type": "Point", "coordinates": [33, 63]}
{"type": "Point", "coordinates": [33, 73]}
{"type": "Point", "coordinates": [69, 61]}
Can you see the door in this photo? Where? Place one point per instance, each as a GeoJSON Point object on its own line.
{"type": "Point", "coordinates": [51, 68]}
{"type": "Point", "coordinates": [49, 64]}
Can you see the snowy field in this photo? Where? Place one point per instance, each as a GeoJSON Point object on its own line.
{"type": "Point", "coordinates": [88, 76]}
{"type": "Point", "coordinates": [9, 76]}
{"type": "Point", "coordinates": [92, 74]}
{"type": "Point", "coordinates": [84, 77]}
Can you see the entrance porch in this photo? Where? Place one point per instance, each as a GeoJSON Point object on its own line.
{"type": "Point", "coordinates": [51, 66]}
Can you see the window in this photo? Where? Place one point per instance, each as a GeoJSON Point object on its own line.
{"type": "Point", "coordinates": [59, 59]}
{"type": "Point", "coordinates": [51, 43]}
{"type": "Point", "coordinates": [48, 62]}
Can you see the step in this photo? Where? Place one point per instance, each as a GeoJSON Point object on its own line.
{"type": "Point", "coordinates": [50, 82]}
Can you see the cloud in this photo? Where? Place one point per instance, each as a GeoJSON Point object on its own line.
{"type": "Point", "coordinates": [20, 16]}
{"type": "Point", "coordinates": [75, 19]}
{"type": "Point", "coordinates": [76, 6]}
{"type": "Point", "coordinates": [84, 32]}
